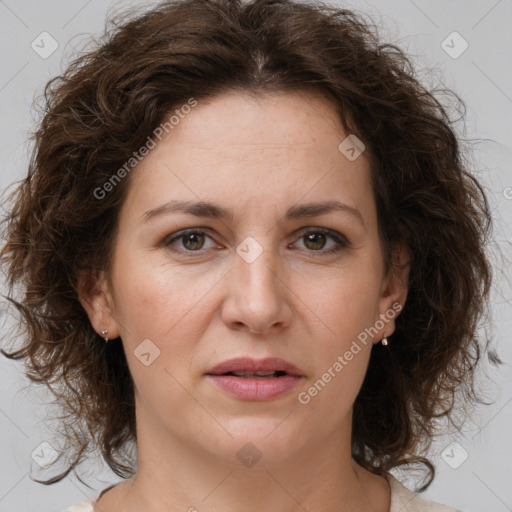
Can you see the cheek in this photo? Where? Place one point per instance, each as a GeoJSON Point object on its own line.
{"type": "Point", "coordinates": [345, 303]}
{"type": "Point", "coordinates": [345, 308]}
{"type": "Point", "coordinates": [161, 326]}
{"type": "Point", "coordinates": [154, 299]}
{"type": "Point", "coordinates": [169, 307]}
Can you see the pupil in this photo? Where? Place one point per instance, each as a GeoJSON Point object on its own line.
{"type": "Point", "coordinates": [195, 245]}
{"type": "Point", "coordinates": [312, 236]}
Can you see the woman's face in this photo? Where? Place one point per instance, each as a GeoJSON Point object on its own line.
{"type": "Point", "coordinates": [272, 277]}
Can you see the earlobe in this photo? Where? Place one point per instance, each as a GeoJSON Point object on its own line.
{"type": "Point", "coordinates": [95, 297]}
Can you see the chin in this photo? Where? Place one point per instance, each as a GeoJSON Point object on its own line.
{"type": "Point", "coordinates": [261, 443]}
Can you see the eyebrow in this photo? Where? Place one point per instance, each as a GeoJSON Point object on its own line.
{"type": "Point", "coordinates": [213, 211]}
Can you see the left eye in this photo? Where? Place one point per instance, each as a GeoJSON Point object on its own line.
{"type": "Point", "coordinates": [317, 237]}
{"type": "Point", "coordinates": [314, 239]}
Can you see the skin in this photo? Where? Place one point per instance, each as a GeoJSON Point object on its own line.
{"type": "Point", "coordinates": [257, 158]}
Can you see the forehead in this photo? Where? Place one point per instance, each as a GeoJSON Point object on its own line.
{"type": "Point", "coordinates": [286, 117]}
{"type": "Point", "coordinates": [238, 148]}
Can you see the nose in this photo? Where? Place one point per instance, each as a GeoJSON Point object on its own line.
{"type": "Point", "coordinates": [258, 298]}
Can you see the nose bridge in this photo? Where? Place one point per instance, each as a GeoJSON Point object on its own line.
{"type": "Point", "coordinates": [257, 290]}
{"type": "Point", "coordinates": [256, 265]}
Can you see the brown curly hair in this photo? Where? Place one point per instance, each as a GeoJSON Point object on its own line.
{"type": "Point", "coordinates": [111, 98]}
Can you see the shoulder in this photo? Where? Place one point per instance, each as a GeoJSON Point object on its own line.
{"type": "Point", "coordinates": [404, 500]}
{"type": "Point", "coordinates": [83, 506]}
{"type": "Point", "coordinates": [88, 505]}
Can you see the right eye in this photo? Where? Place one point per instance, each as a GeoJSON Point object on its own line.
{"type": "Point", "coordinates": [191, 240]}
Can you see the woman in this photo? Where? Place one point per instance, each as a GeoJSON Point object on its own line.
{"type": "Point", "coordinates": [252, 254]}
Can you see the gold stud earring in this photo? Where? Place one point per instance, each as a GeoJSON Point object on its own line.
{"type": "Point", "coordinates": [385, 341]}
{"type": "Point", "coordinates": [104, 334]}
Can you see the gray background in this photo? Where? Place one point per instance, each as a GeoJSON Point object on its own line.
{"type": "Point", "coordinates": [482, 76]}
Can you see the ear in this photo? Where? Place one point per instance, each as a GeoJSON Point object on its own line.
{"type": "Point", "coordinates": [393, 293]}
{"type": "Point", "coordinates": [96, 298]}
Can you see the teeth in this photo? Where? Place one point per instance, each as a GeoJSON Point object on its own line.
{"type": "Point", "coordinates": [272, 373]}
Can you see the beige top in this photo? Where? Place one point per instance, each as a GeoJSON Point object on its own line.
{"type": "Point", "coordinates": [402, 500]}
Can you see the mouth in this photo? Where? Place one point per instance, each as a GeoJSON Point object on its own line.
{"type": "Point", "coordinates": [255, 380]}
{"type": "Point", "coordinates": [255, 375]}
{"type": "Point", "coordinates": [247, 368]}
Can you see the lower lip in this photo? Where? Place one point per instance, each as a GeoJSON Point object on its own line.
{"type": "Point", "coordinates": [258, 389]}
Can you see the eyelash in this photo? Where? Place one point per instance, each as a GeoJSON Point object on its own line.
{"type": "Point", "coordinates": [340, 240]}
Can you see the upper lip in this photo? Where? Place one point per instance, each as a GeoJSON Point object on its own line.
{"type": "Point", "coordinates": [249, 365]}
